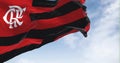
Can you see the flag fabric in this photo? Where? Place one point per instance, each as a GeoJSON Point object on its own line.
{"type": "Point", "coordinates": [82, 1]}
{"type": "Point", "coordinates": [29, 24]}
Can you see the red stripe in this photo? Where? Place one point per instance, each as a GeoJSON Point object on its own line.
{"type": "Point", "coordinates": [87, 27]}
{"type": "Point", "coordinates": [23, 43]}
{"type": "Point", "coordinates": [62, 20]}
{"type": "Point", "coordinates": [82, 1]}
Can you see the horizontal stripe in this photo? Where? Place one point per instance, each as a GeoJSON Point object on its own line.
{"type": "Point", "coordinates": [48, 9]}
{"type": "Point", "coordinates": [48, 33]}
{"type": "Point", "coordinates": [9, 55]}
{"type": "Point", "coordinates": [44, 3]}
{"type": "Point", "coordinates": [4, 41]}
{"type": "Point", "coordinates": [61, 20]}
{"type": "Point", "coordinates": [23, 43]}
{"type": "Point", "coordinates": [81, 23]}
{"type": "Point", "coordinates": [26, 45]}
{"type": "Point", "coordinates": [67, 8]}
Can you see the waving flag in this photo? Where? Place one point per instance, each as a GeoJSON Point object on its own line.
{"type": "Point", "coordinates": [29, 24]}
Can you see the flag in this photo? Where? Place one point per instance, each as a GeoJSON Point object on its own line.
{"type": "Point", "coordinates": [29, 24]}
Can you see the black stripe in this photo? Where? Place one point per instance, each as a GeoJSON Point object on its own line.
{"type": "Point", "coordinates": [53, 32]}
{"type": "Point", "coordinates": [84, 22]}
{"type": "Point", "coordinates": [81, 23]}
{"type": "Point", "coordinates": [44, 3]}
{"type": "Point", "coordinates": [46, 35]}
{"type": "Point", "coordinates": [67, 8]}
{"type": "Point", "coordinates": [5, 41]}
{"type": "Point", "coordinates": [9, 55]}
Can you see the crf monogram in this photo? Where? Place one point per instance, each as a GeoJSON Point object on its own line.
{"type": "Point", "coordinates": [12, 20]}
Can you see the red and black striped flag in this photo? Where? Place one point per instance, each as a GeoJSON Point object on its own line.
{"type": "Point", "coordinates": [29, 24]}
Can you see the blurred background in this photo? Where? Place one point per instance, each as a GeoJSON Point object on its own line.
{"type": "Point", "coordinates": [101, 45]}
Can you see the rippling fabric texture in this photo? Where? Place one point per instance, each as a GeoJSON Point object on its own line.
{"type": "Point", "coordinates": [29, 24]}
